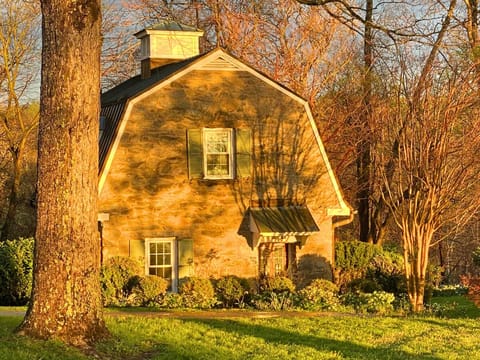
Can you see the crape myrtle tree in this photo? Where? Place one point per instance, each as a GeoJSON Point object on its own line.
{"type": "Point", "coordinates": [435, 190]}
{"type": "Point", "coordinates": [66, 299]}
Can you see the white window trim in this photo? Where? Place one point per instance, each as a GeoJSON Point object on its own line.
{"type": "Point", "coordinates": [174, 247]}
{"type": "Point", "coordinates": [231, 153]}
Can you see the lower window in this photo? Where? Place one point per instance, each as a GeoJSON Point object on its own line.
{"type": "Point", "coordinates": [161, 260]}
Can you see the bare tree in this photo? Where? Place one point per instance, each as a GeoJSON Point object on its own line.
{"type": "Point", "coordinates": [435, 186]}
{"type": "Point", "coordinates": [66, 300]}
{"type": "Point", "coordinates": [19, 57]}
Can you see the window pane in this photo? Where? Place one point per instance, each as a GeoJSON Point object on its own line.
{"type": "Point", "coordinates": [166, 248]}
{"type": "Point", "coordinates": [153, 260]}
{"type": "Point", "coordinates": [217, 164]}
{"type": "Point", "coordinates": [167, 273]}
{"type": "Point", "coordinates": [153, 248]}
{"type": "Point", "coordinates": [166, 259]}
{"type": "Point", "coordinates": [217, 142]}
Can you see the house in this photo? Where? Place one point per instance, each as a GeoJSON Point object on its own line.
{"type": "Point", "coordinates": [210, 168]}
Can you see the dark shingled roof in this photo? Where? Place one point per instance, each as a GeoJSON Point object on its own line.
{"type": "Point", "coordinates": [136, 85]}
{"type": "Point", "coordinates": [284, 220]}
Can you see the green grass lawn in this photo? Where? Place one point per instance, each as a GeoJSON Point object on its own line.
{"type": "Point", "coordinates": [455, 335]}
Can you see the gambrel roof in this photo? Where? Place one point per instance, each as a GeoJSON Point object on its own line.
{"type": "Point", "coordinates": [118, 102]}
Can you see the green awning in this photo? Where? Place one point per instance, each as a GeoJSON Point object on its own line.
{"type": "Point", "coordinates": [282, 221]}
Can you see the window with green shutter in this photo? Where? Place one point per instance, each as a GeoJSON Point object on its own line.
{"type": "Point", "coordinates": [219, 153]}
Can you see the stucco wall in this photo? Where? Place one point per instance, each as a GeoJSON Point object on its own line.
{"type": "Point", "coordinates": [147, 192]}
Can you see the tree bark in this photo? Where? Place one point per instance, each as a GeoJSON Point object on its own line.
{"type": "Point", "coordinates": [66, 299]}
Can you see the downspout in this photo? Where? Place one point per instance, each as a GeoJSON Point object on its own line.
{"type": "Point", "coordinates": [342, 221]}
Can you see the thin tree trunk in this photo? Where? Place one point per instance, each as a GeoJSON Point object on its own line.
{"type": "Point", "coordinates": [66, 300]}
{"type": "Point", "coordinates": [8, 227]}
{"type": "Point", "coordinates": [364, 146]}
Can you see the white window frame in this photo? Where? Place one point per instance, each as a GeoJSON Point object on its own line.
{"type": "Point", "coordinates": [174, 256]}
{"type": "Point", "coordinates": [230, 152]}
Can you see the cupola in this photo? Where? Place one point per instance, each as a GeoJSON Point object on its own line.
{"type": "Point", "coordinates": [167, 42]}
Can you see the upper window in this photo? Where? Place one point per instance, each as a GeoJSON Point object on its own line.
{"type": "Point", "coordinates": [217, 146]}
{"type": "Point", "coordinates": [218, 153]}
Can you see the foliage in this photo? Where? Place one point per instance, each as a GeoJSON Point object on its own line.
{"type": "Point", "coordinates": [472, 283]}
{"type": "Point", "coordinates": [378, 302]}
{"type": "Point", "coordinates": [386, 269]}
{"type": "Point", "coordinates": [197, 293]}
{"type": "Point", "coordinates": [321, 294]}
{"type": "Point", "coordinates": [450, 290]}
{"type": "Point", "coordinates": [275, 293]}
{"type": "Point", "coordinates": [277, 284]}
{"type": "Point", "coordinates": [352, 260]}
{"type": "Point", "coordinates": [476, 257]}
{"type": "Point", "coordinates": [16, 265]}
{"type": "Point", "coordinates": [115, 275]}
{"type": "Point", "coordinates": [363, 285]}
{"type": "Point", "coordinates": [171, 301]}
{"type": "Point", "coordinates": [274, 301]}
{"type": "Point", "coordinates": [146, 290]}
{"type": "Point", "coordinates": [231, 291]}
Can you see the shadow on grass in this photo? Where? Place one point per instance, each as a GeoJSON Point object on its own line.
{"type": "Point", "coordinates": [275, 336]}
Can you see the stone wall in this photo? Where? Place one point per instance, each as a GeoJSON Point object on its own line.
{"type": "Point", "coordinates": [148, 194]}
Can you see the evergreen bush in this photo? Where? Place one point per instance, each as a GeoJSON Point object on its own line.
{"type": "Point", "coordinates": [115, 275]}
{"type": "Point", "coordinates": [231, 291]}
{"type": "Point", "coordinates": [146, 290]}
{"type": "Point", "coordinates": [16, 271]}
{"type": "Point", "coordinates": [197, 293]}
{"type": "Point", "coordinates": [321, 294]}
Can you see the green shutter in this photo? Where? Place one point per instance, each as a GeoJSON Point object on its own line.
{"type": "Point", "coordinates": [137, 250]}
{"type": "Point", "coordinates": [185, 258]}
{"type": "Point", "coordinates": [243, 152]}
{"type": "Point", "coordinates": [195, 153]}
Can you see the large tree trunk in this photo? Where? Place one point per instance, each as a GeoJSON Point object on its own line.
{"type": "Point", "coordinates": [66, 299]}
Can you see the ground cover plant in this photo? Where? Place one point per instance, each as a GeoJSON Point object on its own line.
{"type": "Point", "coordinates": [448, 334]}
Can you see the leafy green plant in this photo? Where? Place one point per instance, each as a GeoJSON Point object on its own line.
{"type": "Point", "coordinates": [171, 301]}
{"type": "Point", "coordinates": [146, 290]}
{"type": "Point", "coordinates": [16, 266]}
{"type": "Point", "coordinates": [274, 301]}
{"type": "Point", "coordinates": [115, 275]}
{"type": "Point", "coordinates": [277, 284]}
{"type": "Point", "coordinates": [352, 260]}
{"type": "Point", "coordinates": [386, 269]}
{"type": "Point", "coordinates": [363, 285]}
{"type": "Point", "coordinates": [197, 293]}
{"type": "Point", "coordinates": [231, 291]}
{"type": "Point", "coordinates": [321, 294]}
{"type": "Point", "coordinates": [378, 302]}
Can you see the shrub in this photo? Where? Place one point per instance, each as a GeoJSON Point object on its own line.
{"type": "Point", "coordinates": [378, 302]}
{"type": "Point", "coordinates": [363, 285]}
{"type": "Point", "coordinates": [277, 284]}
{"type": "Point", "coordinates": [352, 260]}
{"type": "Point", "coordinates": [386, 269]}
{"type": "Point", "coordinates": [321, 294]}
{"type": "Point", "coordinates": [114, 278]}
{"type": "Point", "coordinates": [16, 266]}
{"type": "Point", "coordinates": [171, 301]}
{"type": "Point", "coordinates": [276, 293]}
{"type": "Point", "coordinates": [197, 293]}
{"type": "Point", "coordinates": [146, 290]}
{"type": "Point", "coordinates": [231, 291]}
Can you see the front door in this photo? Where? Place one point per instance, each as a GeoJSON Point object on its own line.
{"type": "Point", "coordinates": [275, 259]}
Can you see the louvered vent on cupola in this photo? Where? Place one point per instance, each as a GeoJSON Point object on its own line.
{"type": "Point", "coordinates": [167, 42]}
